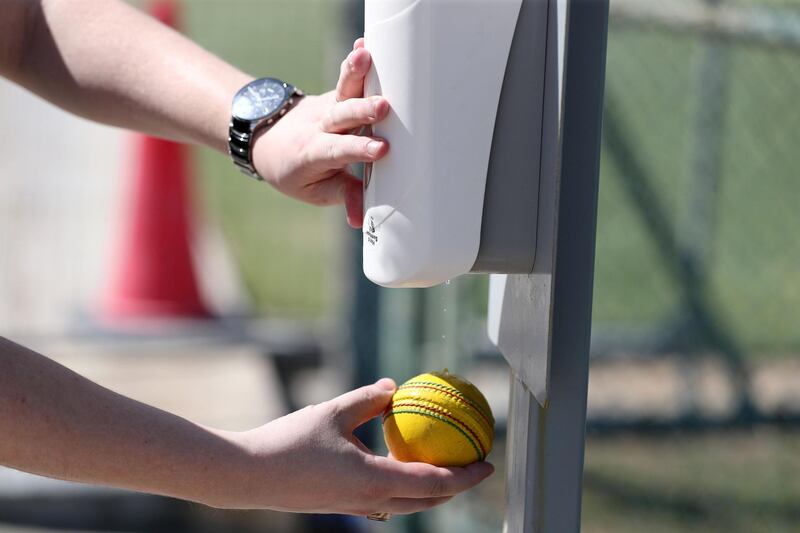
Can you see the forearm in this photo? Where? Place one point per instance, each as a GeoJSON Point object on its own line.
{"type": "Point", "coordinates": [104, 60]}
{"type": "Point", "coordinates": [56, 423]}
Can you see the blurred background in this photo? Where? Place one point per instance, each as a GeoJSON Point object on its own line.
{"type": "Point", "coordinates": [694, 393]}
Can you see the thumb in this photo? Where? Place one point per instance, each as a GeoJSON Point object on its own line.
{"type": "Point", "coordinates": [361, 405]}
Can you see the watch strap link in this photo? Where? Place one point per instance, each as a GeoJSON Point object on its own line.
{"type": "Point", "coordinates": [239, 148]}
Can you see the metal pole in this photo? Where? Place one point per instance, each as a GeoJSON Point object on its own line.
{"type": "Point", "coordinates": [697, 222]}
{"type": "Point", "coordinates": [547, 443]}
{"type": "Point", "coordinates": [699, 216]}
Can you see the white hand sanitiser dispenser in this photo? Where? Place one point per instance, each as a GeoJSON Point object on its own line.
{"type": "Point", "coordinates": [458, 190]}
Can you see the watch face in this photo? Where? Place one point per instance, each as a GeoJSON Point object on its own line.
{"type": "Point", "coordinates": [259, 99]}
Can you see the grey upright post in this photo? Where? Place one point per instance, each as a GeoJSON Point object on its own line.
{"type": "Point", "coordinates": [546, 443]}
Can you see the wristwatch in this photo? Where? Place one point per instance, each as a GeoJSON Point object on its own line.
{"type": "Point", "coordinates": [257, 107]}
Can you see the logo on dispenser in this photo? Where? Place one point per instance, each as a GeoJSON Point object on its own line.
{"type": "Point", "coordinates": [372, 237]}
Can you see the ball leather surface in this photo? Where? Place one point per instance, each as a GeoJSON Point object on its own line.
{"type": "Point", "coordinates": [439, 418]}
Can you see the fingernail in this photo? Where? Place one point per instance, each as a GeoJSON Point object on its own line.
{"type": "Point", "coordinates": [373, 147]}
{"type": "Point", "coordinates": [359, 60]}
{"type": "Point", "coordinates": [379, 105]}
{"type": "Point", "coordinates": [386, 384]}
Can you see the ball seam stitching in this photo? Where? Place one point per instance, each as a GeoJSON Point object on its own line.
{"type": "Point", "coordinates": [447, 390]}
{"type": "Point", "coordinates": [438, 409]}
{"type": "Point", "coordinates": [478, 451]}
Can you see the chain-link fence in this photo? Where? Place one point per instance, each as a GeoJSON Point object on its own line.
{"type": "Point", "coordinates": [698, 212]}
{"type": "Point", "coordinates": [698, 252]}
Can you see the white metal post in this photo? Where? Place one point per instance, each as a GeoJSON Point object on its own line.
{"type": "Point", "coordinates": [546, 441]}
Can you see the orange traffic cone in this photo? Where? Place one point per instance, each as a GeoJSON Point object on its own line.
{"type": "Point", "coordinates": [166, 11]}
{"type": "Point", "coordinates": [153, 275]}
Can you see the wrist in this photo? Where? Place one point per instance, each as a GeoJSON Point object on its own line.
{"type": "Point", "coordinates": [215, 477]}
{"type": "Point", "coordinates": [256, 108]}
{"type": "Point", "coordinates": [234, 478]}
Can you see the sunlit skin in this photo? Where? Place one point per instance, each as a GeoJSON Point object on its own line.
{"type": "Point", "coordinates": [104, 60]}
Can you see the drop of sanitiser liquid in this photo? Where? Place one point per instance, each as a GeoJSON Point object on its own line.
{"type": "Point", "coordinates": [444, 311]}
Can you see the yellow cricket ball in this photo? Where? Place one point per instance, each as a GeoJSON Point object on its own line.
{"type": "Point", "coordinates": [439, 418]}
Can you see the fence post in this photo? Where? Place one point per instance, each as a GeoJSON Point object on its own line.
{"type": "Point", "coordinates": [546, 443]}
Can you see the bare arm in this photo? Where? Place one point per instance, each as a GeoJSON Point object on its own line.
{"type": "Point", "coordinates": [106, 61]}
{"type": "Point", "coordinates": [56, 423]}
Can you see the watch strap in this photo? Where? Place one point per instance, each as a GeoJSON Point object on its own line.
{"type": "Point", "coordinates": [242, 133]}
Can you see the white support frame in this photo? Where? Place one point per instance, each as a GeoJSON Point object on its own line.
{"type": "Point", "coordinates": [544, 321]}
